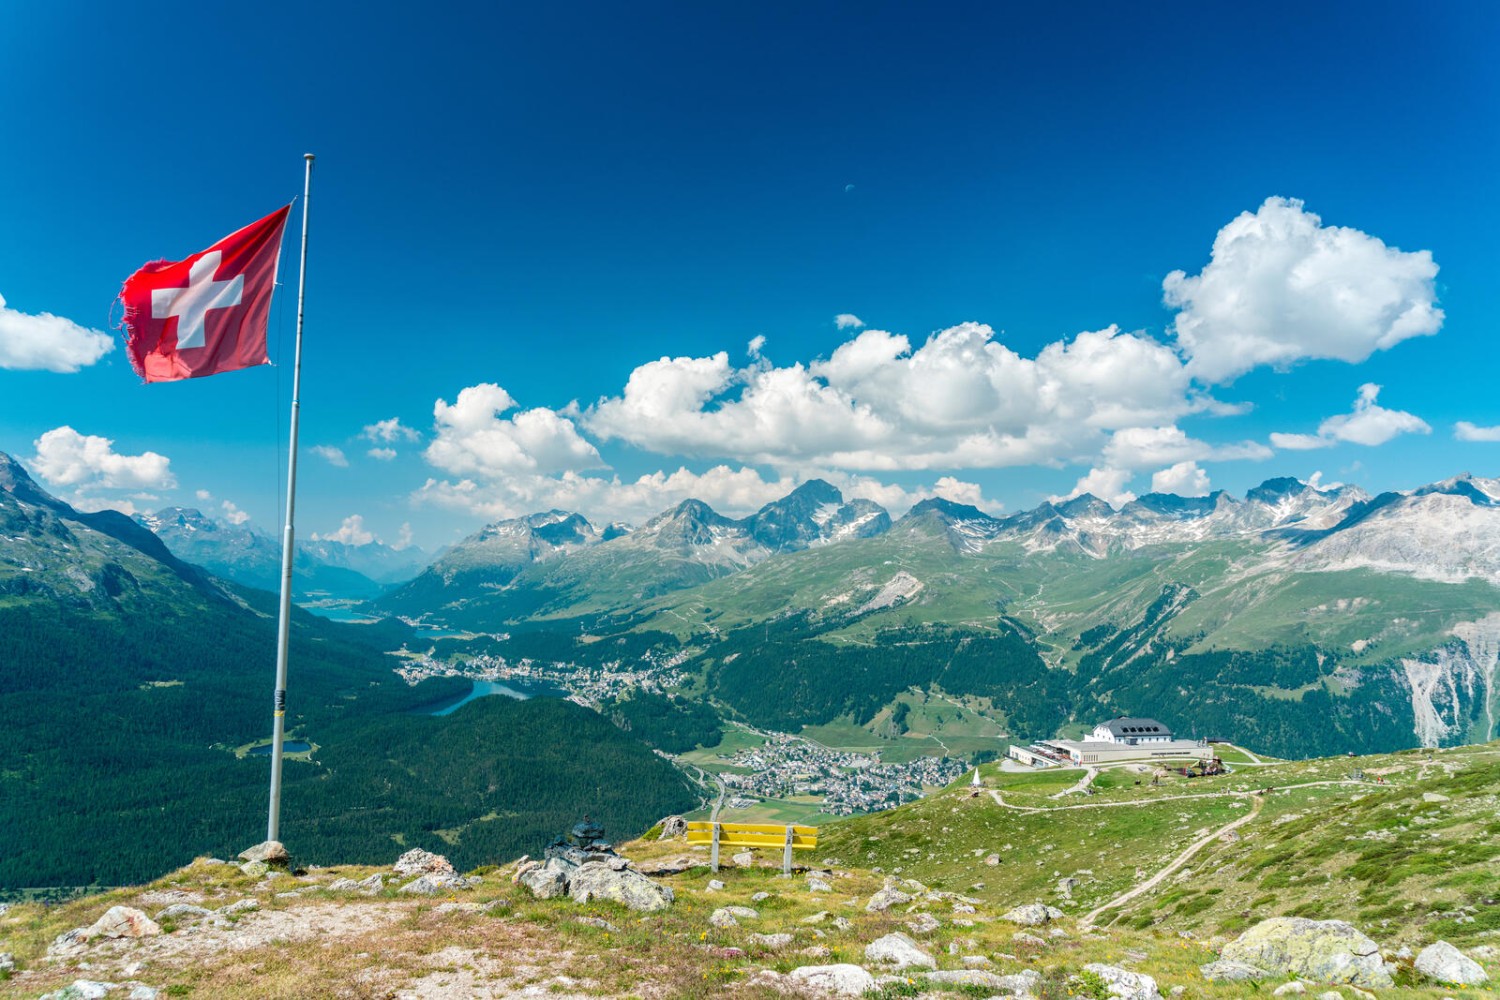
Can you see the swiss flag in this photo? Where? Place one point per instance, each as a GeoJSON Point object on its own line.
{"type": "Point", "coordinates": [208, 313]}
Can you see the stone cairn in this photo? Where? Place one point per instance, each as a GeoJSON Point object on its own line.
{"type": "Point", "coordinates": [583, 866]}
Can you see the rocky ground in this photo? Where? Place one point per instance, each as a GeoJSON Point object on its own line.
{"type": "Point", "coordinates": [419, 930]}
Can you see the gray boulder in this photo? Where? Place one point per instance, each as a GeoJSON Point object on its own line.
{"type": "Point", "coordinates": [1032, 914]}
{"type": "Point", "coordinates": [922, 923]}
{"type": "Point", "coordinates": [255, 869]}
{"type": "Point", "coordinates": [342, 885]}
{"type": "Point", "coordinates": [601, 881]}
{"type": "Point", "coordinates": [1446, 964]}
{"type": "Point", "coordinates": [844, 980]}
{"type": "Point", "coordinates": [817, 885]}
{"type": "Point", "coordinates": [183, 912]}
{"type": "Point", "coordinates": [722, 919]}
{"type": "Point", "coordinates": [419, 862]}
{"type": "Point", "coordinates": [673, 826]}
{"type": "Point", "coordinates": [899, 951]}
{"type": "Point", "coordinates": [547, 881]}
{"type": "Point", "coordinates": [371, 884]}
{"type": "Point", "coordinates": [1232, 972]}
{"type": "Point", "coordinates": [269, 851]}
{"type": "Point", "coordinates": [885, 899]}
{"type": "Point", "coordinates": [772, 942]}
{"type": "Point", "coordinates": [433, 885]}
{"type": "Point", "coordinates": [1023, 983]}
{"type": "Point", "coordinates": [1125, 984]}
{"type": "Point", "coordinates": [123, 922]}
{"type": "Point", "coordinates": [1326, 951]}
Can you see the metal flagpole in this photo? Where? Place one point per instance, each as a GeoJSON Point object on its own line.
{"type": "Point", "coordinates": [283, 632]}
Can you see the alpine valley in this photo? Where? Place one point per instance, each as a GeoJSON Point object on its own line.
{"type": "Point", "coordinates": [1299, 620]}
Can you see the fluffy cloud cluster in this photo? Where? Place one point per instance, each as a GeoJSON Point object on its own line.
{"type": "Point", "coordinates": [729, 490]}
{"type": "Point", "coordinates": [233, 514]}
{"type": "Point", "coordinates": [1465, 431]}
{"type": "Point", "coordinates": [332, 455]}
{"type": "Point", "coordinates": [1368, 424]}
{"type": "Point", "coordinates": [472, 438]}
{"type": "Point", "coordinates": [351, 532]}
{"type": "Point", "coordinates": [389, 432]}
{"type": "Point", "coordinates": [1281, 288]}
{"type": "Point", "coordinates": [65, 457]}
{"type": "Point", "coordinates": [961, 400]}
{"type": "Point", "coordinates": [47, 342]}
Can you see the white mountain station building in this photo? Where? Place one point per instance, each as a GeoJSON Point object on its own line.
{"type": "Point", "coordinates": [1116, 740]}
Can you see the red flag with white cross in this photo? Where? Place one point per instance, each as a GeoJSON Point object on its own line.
{"type": "Point", "coordinates": [207, 313]}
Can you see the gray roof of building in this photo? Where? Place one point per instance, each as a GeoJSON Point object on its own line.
{"type": "Point", "coordinates": [1137, 727]}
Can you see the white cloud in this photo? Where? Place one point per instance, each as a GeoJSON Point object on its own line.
{"type": "Point", "coordinates": [730, 491]}
{"type": "Point", "coordinates": [959, 491]}
{"type": "Point", "coordinates": [403, 537]}
{"type": "Point", "coordinates": [47, 342]}
{"type": "Point", "coordinates": [473, 439]}
{"type": "Point", "coordinates": [389, 431]}
{"type": "Point", "coordinates": [848, 321]}
{"type": "Point", "coordinates": [1368, 424]}
{"type": "Point", "coordinates": [203, 496]}
{"type": "Point", "coordinates": [961, 400]}
{"type": "Point", "coordinates": [90, 504]}
{"type": "Point", "coordinates": [65, 457]}
{"type": "Point", "coordinates": [1465, 431]}
{"type": "Point", "coordinates": [382, 454]}
{"type": "Point", "coordinates": [1143, 447]}
{"type": "Point", "coordinates": [1184, 479]}
{"type": "Point", "coordinates": [1105, 483]}
{"type": "Point", "coordinates": [756, 345]}
{"type": "Point", "coordinates": [233, 514]}
{"type": "Point", "coordinates": [331, 455]}
{"type": "Point", "coordinates": [1281, 288]}
{"type": "Point", "coordinates": [351, 532]}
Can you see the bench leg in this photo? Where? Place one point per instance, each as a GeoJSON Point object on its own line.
{"type": "Point", "coordinates": [786, 854]}
{"type": "Point", "coordinates": [715, 861]}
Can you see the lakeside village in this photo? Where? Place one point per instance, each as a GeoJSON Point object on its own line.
{"type": "Point", "coordinates": [782, 767]}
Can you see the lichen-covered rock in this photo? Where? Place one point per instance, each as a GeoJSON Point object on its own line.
{"type": "Point", "coordinates": [270, 851]}
{"type": "Point", "coordinates": [922, 923]}
{"type": "Point", "coordinates": [673, 826]}
{"type": "Point", "coordinates": [845, 980]}
{"type": "Point", "coordinates": [182, 912]}
{"type": "Point", "coordinates": [548, 881]}
{"type": "Point", "coordinates": [419, 862]}
{"type": "Point", "coordinates": [1446, 964]}
{"type": "Point", "coordinates": [1231, 972]}
{"type": "Point", "coordinates": [601, 881]}
{"type": "Point", "coordinates": [815, 884]}
{"type": "Point", "coordinates": [885, 899]}
{"type": "Point", "coordinates": [123, 922]}
{"type": "Point", "coordinates": [1023, 983]}
{"type": "Point", "coordinates": [742, 912]}
{"type": "Point", "coordinates": [772, 942]}
{"type": "Point", "coordinates": [371, 884]}
{"type": "Point", "coordinates": [1032, 914]}
{"type": "Point", "coordinates": [255, 869]}
{"type": "Point", "coordinates": [899, 951]}
{"type": "Point", "coordinates": [1326, 951]}
{"type": "Point", "coordinates": [722, 919]}
{"type": "Point", "coordinates": [1125, 984]}
{"type": "Point", "coordinates": [432, 885]}
{"type": "Point", "coordinates": [342, 885]}
{"type": "Point", "coordinates": [239, 906]}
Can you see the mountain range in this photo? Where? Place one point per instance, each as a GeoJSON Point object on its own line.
{"type": "Point", "coordinates": [247, 555]}
{"type": "Point", "coordinates": [1306, 617]}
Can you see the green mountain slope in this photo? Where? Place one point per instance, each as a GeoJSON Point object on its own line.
{"type": "Point", "coordinates": [129, 679]}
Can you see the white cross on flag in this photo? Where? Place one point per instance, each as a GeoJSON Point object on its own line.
{"type": "Point", "coordinates": [208, 313]}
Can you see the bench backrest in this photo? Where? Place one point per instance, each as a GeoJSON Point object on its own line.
{"type": "Point", "coordinates": [768, 835]}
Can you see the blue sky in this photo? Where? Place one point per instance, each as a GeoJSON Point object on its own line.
{"type": "Point", "coordinates": [536, 205]}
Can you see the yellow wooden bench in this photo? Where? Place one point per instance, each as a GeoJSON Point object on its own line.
{"type": "Point", "coordinates": [788, 838]}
